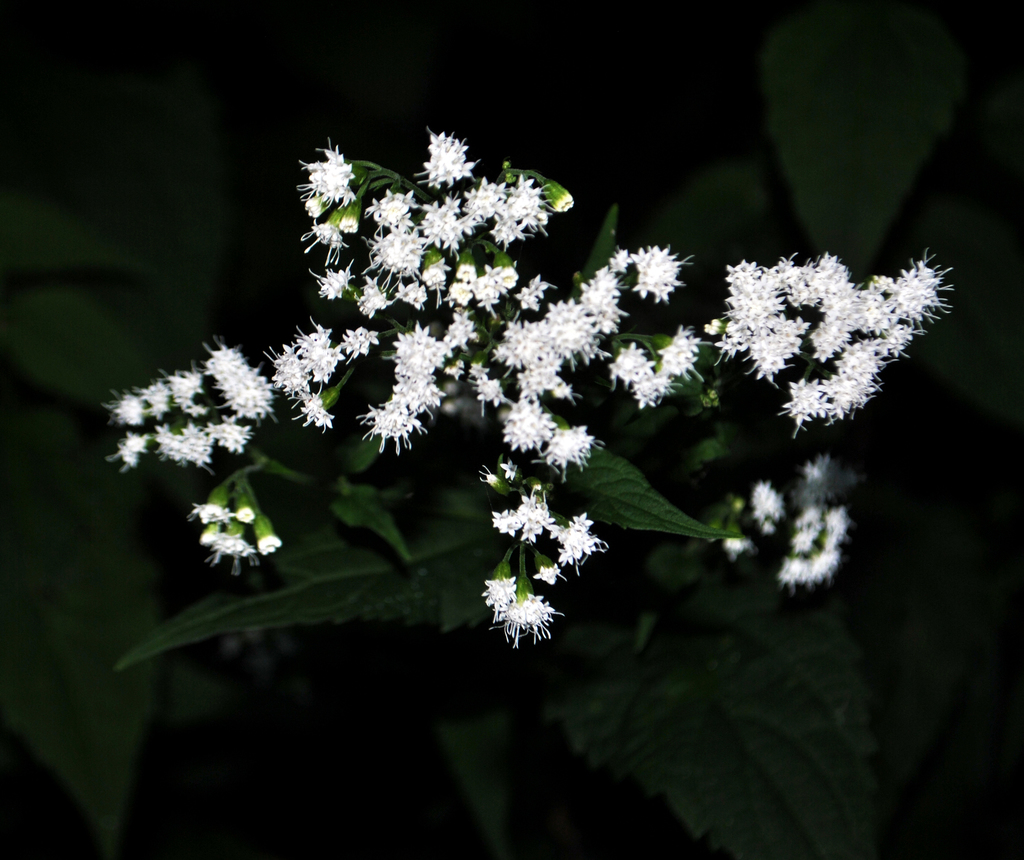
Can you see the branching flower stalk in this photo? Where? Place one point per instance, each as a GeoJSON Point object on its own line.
{"type": "Point", "coordinates": [444, 302]}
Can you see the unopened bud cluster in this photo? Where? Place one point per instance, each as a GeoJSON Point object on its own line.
{"type": "Point", "coordinates": [231, 516]}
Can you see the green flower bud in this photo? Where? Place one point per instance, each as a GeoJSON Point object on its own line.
{"type": "Point", "coordinates": [346, 219]}
{"type": "Point", "coordinates": [245, 508]}
{"type": "Point", "coordinates": [329, 396]}
{"type": "Point", "coordinates": [219, 496]}
{"type": "Point", "coordinates": [503, 570]}
{"type": "Point", "coordinates": [209, 533]}
{"type": "Point", "coordinates": [558, 198]}
{"type": "Point", "coordinates": [266, 541]}
{"type": "Point", "coordinates": [432, 256]}
{"type": "Point", "coordinates": [524, 588]}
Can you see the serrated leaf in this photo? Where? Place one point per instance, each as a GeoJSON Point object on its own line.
{"type": "Point", "coordinates": [333, 596]}
{"type": "Point", "coordinates": [755, 732]}
{"type": "Point", "coordinates": [62, 340]}
{"type": "Point", "coordinates": [975, 348]}
{"type": "Point", "coordinates": [331, 581]}
{"type": "Point", "coordinates": [857, 95]}
{"type": "Point", "coordinates": [604, 245]}
{"type": "Point", "coordinates": [618, 493]}
{"type": "Point", "coordinates": [73, 594]}
{"type": "Point", "coordinates": [360, 506]}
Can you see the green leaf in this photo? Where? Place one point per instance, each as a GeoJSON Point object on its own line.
{"type": "Point", "coordinates": [604, 246]}
{"type": "Point", "coordinates": [144, 176]}
{"type": "Point", "coordinates": [74, 593]}
{"type": "Point", "coordinates": [28, 227]}
{"type": "Point", "coordinates": [331, 581]}
{"type": "Point", "coordinates": [927, 618]}
{"type": "Point", "coordinates": [1002, 123]}
{"type": "Point", "coordinates": [62, 340]}
{"type": "Point", "coordinates": [976, 348]}
{"type": "Point", "coordinates": [333, 596]}
{"type": "Point", "coordinates": [618, 493]}
{"type": "Point", "coordinates": [754, 731]}
{"type": "Point", "coordinates": [857, 96]}
{"type": "Point", "coordinates": [360, 506]}
{"type": "Point", "coordinates": [720, 216]}
{"type": "Point", "coordinates": [357, 454]}
{"type": "Point", "coordinates": [674, 567]}
{"type": "Point", "coordinates": [478, 751]}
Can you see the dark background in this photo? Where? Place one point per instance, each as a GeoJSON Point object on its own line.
{"type": "Point", "coordinates": [175, 146]}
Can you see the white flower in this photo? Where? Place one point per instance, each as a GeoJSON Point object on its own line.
{"type": "Point", "coordinates": [530, 615]}
{"type": "Point", "coordinates": [393, 211]}
{"type": "Point", "coordinates": [679, 357]}
{"type": "Point", "coordinates": [447, 163]}
{"type": "Point", "coordinates": [358, 342]}
{"type": "Point", "coordinates": [233, 545]}
{"type": "Point", "coordinates": [768, 506]}
{"type": "Point", "coordinates": [209, 513]}
{"type": "Point", "coordinates": [329, 179]}
{"type": "Point", "coordinates": [128, 409]}
{"type": "Point", "coordinates": [190, 445]}
{"type": "Point", "coordinates": [228, 434]}
{"type": "Point", "coordinates": [507, 522]}
{"type": "Point", "coordinates": [373, 299]}
{"type": "Point", "coordinates": [736, 546]}
{"type": "Point", "coordinates": [129, 449]}
{"type": "Point", "coordinates": [268, 544]}
{"type": "Point", "coordinates": [312, 408]}
{"type": "Point", "coordinates": [334, 283]}
{"type": "Point", "coordinates": [549, 574]}
{"type": "Point", "coordinates": [528, 426]}
{"type": "Point", "coordinates": [657, 273]}
{"type": "Point", "coordinates": [499, 595]}
{"type": "Point", "coordinates": [392, 421]}
{"type": "Point", "coordinates": [568, 446]}
{"type": "Point", "coordinates": [576, 541]}
{"type": "Point", "coordinates": [534, 516]}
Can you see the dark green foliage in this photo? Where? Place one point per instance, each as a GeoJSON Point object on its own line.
{"type": "Point", "coordinates": [857, 96]}
{"type": "Point", "coordinates": [617, 492]}
{"type": "Point", "coordinates": [753, 724]}
{"type": "Point", "coordinates": [74, 592]}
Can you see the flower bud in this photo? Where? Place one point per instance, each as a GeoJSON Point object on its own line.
{"type": "Point", "coordinates": [524, 588]}
{"type": "Point", "coordinates": [245, 508]}
{"type": "Point", "coordinates": [557, 196]}
{"type": "Point", "coordinates": [329, 396]}
{"type": "Point", "coordinates": [503, 570]}
{"type": "Point", "coordinates": [209, 534]}
{"type": "Point", "coordinates": [496, 483]}
{"type": "Point", "coordinates": [346, 219]}
{"type": "Point", "coordinates": [266, 541]}
{"type": "Point", "coordinates": [547, 570]}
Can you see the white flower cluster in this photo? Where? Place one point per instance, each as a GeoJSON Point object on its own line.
{"type": "Point", "coordinates": [860, 329]}
{"type": "Point", "coordinates": [819, 527]}
{"type": "Point", "coordinates": [431, 240]}
{"type": "Point", "coordinates": [515, 605]}
{"type": "Point", "coordinates": [649, 381]}
{"type": "Point", "coordinates": [245, 394]}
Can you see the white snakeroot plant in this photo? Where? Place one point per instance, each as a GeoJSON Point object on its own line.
{"type": "Point", "coordinates": [467, 334]}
